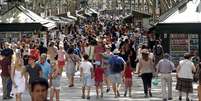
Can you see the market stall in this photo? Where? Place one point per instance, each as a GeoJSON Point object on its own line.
{"type": "Point", "coordinates": [20, 22]}
{"type": "Point", "coordinates": [180, 31]}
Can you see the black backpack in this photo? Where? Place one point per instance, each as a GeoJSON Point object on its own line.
{"type": "Point", "coordinates": [158, 50]}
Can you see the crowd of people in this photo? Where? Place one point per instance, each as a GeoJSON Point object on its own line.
{"type": "Point", "coordinates": [104, 52]}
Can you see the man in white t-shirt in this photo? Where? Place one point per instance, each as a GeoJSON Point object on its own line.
{"type": "Point", "coordinates": [86, 70]}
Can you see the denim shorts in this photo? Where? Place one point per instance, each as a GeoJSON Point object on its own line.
{"type": "Point", "coordinates": [86, 80]}
{"type": "Point", "coordinates": [56, 82]}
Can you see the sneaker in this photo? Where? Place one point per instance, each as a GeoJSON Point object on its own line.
{"type": "Point", "coordinates": [146, 96]}
{"type": "Point", "coordinates": [71, 85]}
{"type": "Point", "coordinates": [9, 97]}
{"type": "Point", "coordinates": [180, 98]}
{"type": "Point", "coordinates": [118, 94]}
{"type": "Point", "coordinates": [101, 95]}
{"type": "Point", "coordinates": [170, 98]}
{"type": "Point", "coordinates": [125, 93]}
{"type": "Point", "coordinates": [187, 99]}
{"type": "Point", "coordinates": [83, 97]}
{"type": "Point", "coordinates": [108, 89]}
{"type": "Point", "coordinates": [150, 94]}
{"type": "Point", "coordinates": [88, 97]}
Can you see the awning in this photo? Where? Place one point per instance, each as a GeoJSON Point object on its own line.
{"type": "Point", "coordinates": [186, 19]}
{"type": "Point", "coordinates": [59, 20]}
{"type": "Point", "coordinates": [21, 27]}
{"type": "Point", "coordinates": [80, 16]}
{"type": "Point", "coordinates": [178, 28]}
{"type": "Point", "coordinates": [21, 15]}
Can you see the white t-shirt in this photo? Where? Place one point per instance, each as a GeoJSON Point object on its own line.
{"type": "Point", "coordinates": [86, 66]}
{"type": "Point", "coordinates": [186, 69]}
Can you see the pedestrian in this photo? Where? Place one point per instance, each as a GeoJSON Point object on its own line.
{"type": "Point", "coordinates": [26, 54]}
{"type": "Point", "coordinates": [39, 89]}
{"type": "Point", "coordinates": [61, 57]}
{"type": "Point", "coordinates": [128, 79]}
{"type": "Point", "coordinates": [158, 51]}
{"type": "Point", "coordinates": [35, 52]}
{"type": "Point", "coordinates": [52, 51]}
{"type": "Point", "coordinates": [99, 72]}
{"type": "Point", "coordinates": [33, 70]}
{"type": "Point", "coordinates": [165, 68]}
{"type": "Point", "coordinates": [185, 71]}
{"type": "Point", "coordinates": [105, 59]}
{"type": "Point", "coordinates": [42, 49]}
{"type": "Point", "coordinates": [45, 66]}
{"type": "Point", "coordinates": [146, 70]}
{"type": "Point", "coordinates": [5, 65]}
{"type": "Point", "coordinates": [71, 61]}
{"type": "Point", "coordinates": [18, 75]}
{"type": "Point", "coordinates": [117, 65]}
{"type": "Point", "coordinates": [55, 81]}
{"type": "Point", "coordinates": [86, 75]}
{"type": "Point", "coordinates": [198, 76]}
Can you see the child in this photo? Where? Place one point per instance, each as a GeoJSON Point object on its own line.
{"type": "Point", "coordinates": [56, 77]}
{"type": "Point", "coordinates": [99, 80]}
{"type": "Point", "coordinates": [86, 71]}
{"type": "Point", "coordinates": [128, 79]}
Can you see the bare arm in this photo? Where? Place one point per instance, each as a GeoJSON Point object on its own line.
{"type": "Point", "coordinates": [12, 74]}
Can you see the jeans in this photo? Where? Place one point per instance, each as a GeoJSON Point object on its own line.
{"type": "Point", "coordinates": [7, 86]}
{"type": "Point", "coordinates": [166, 80]}
{"type": "Point", "coordinates": [147, 78]}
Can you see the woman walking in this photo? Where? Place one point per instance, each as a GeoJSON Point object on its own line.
{"type": "Point", "coordinates": [18, 75]}
{"type": "Point", "coordinates": [71, 60]}
{"type": "Point", "coordinates": [146, 70]}
{"type": "Point", "coordinates": [185, 71]}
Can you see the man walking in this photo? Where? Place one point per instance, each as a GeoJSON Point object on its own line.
{"type": "Point", "coordinates": [165, 68]}
{"type": "Point", "coordinates": [117, 65]}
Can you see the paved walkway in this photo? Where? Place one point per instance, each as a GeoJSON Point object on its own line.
{"type": "Point", "coordinates": [74, 94]}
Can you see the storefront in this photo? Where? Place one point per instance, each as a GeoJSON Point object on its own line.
{"type": "Point", "coordinates": [180, 32]}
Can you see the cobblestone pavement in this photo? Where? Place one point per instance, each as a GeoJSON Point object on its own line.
{"type": "Point", "coordinates": [74, 94]}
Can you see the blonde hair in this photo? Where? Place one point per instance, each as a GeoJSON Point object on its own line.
{"type": "Point", "coordinates": [18, 62]}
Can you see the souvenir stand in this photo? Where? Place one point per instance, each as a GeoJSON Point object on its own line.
{"type": "Point", "coordinates": [180, 31]}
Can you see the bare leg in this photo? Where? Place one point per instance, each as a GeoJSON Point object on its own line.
{"type": "Point", "coordinates": [130, 89]}
{"type": "Point", "coordinates": [57, 94]}
{"type": "Point", "coordinates": [97, 93]}
{"type": "Point", "coordinates": [83, 92]}
{"type": "Point", "coordinates": [88, 93]}
{"type": "Point", "coordinates": [72, 80]}
{"type": "Point", "coordinates": [101, 87]}
{"type": "Point", "coordinates": [114, 89]}
{"type": "Point", "coordinates": [51, 94]}
{"type": "Point", "coordinates": [18, 97]}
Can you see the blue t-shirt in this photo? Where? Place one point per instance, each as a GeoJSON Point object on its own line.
{"type": "Point", "coordinates": [46, 69]}
{"type": "Point", "coordinates": [113, 61]}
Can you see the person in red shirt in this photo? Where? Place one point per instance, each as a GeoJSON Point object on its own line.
{"type": "Point", "coordinates": [99, 80]}
{"type": "Point", "coordinates": [35, 52]}
{"type": "Point", "coordinates": [128, 79]}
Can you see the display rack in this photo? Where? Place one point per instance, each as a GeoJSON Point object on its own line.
{"type": "Point", "coordinates": [182, 43]}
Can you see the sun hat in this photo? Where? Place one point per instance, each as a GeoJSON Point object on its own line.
{"type": "Point", "coordinates": [116, 51]}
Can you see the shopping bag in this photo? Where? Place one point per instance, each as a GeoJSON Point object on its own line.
{"type": "Point", "coordinates": [155, 81]}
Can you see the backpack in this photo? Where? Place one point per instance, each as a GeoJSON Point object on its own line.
{"type": "Point", "coordinates": [117, 64]}
{"type": "Point", "coordinates": [158, 50]}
